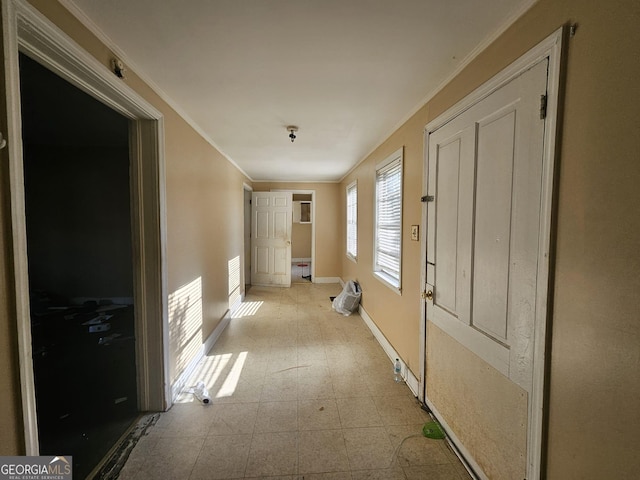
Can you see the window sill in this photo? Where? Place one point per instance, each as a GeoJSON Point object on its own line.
{"type": "Point", "coordinates": [388, 281]}
{"type": "Point", "coordinates": [352, 258]}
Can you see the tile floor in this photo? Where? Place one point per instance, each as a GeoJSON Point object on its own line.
{"type": "Point", "coordinates": [298, 392]}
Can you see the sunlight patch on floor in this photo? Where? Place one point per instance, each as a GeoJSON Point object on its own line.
{"type": "Point", "coordinates": [246, 309]}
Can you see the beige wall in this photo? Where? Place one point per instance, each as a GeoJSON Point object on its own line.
{"type": "Point", "coordinates": [301, 234]}
{"type": "Point", "coordinates": [205, 225]}
{"type": "Point", "coordinates": [595, 345]}
{"type": "Point", "coordinates": [327, 222]}
{"type": "Point", "coordinates": [595, 357]}
{"type": "Point", "coordinates": [398, 316]}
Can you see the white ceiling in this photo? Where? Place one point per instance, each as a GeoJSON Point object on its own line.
{"type": "Point", "coordinates": [346, 72]}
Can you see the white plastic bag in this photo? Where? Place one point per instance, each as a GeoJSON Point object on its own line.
{"type": "Point", "coordinates": [348, 300]}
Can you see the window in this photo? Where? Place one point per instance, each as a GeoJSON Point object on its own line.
{"type": "Point", "coordinates": [388, 220]}
{"type": "Point", "coordinates": [352, 221]}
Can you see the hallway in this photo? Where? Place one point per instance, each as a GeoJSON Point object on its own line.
{"type": "Point", "coordinates": [297, 392]}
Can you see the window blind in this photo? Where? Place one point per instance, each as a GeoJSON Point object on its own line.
{"type": "Point", "coordinates": [352, 220]}
{"type": "Point", "coordinates": [389, 220]}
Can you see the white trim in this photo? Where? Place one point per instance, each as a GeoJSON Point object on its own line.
{"type": "Point", "coordinates": [205, 348]}
{"type": "Point", "coordinates": [354, 184]}
{"type": "Point", "coordinates": [328, 280]}
{"type": "Point", "coordinates": [554, 45]}
{"type": "Point", "coordinates": [422, 337]}
{"type": "Point", "coordinates": [18, 222]}
{"type": "Point", "coordinates": [276, 180]}
{"type": "Point", "coordinates": [25, 29]}
{"type": "Point", "coordinates": [408, 376]}
{"type": "Point", "coordinates": [551, 48]}
{"type": "Point", "coordinates": [148, 206]}
{"type": "Point", "coordinates": [398, 154]}
{"type": "Point", "coordinates": [294, 260]}
{"type": "Point", "coordinates": [246, 240]}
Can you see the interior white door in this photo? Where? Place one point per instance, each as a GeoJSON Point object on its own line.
{"type": "Point", "coordinates": [271, 214]}
{"type": "Point", "coordinates": [485, 171]}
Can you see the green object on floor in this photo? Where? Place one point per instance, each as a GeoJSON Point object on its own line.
{"type": "Point", "coordinates": [433, 430]}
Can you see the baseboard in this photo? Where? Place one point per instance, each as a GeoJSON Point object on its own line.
{"type": "Point", "coordinates": [407, 375]}
{"type": "Point", "coordinates": [326, 280]}
{"type": "Point", "coordinates": [180, 383]}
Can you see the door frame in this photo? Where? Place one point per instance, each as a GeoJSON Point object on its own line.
{"type": "Point", "coordinates": [246, 201]}
{"type": "Point", "coordinates": [552, 49]}
{"type": "Point", "coordinates": [313, 224]}
{"type": "Point", "coordinates": [28, 31]}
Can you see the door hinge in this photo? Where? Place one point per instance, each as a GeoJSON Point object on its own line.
{"type": "Point", "coordinates": [427, 198]}
{"type": "Point", "coordinates": [543, 107]}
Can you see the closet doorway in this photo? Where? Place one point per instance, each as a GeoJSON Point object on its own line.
{"type": "Point", "coordinates": [303, 235]}
{"type": "Point", "coordinates": [80, 264]}
{"type": "Point", "coordinates": [302, 238]}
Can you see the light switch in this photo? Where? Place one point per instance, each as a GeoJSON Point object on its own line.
{"type": "Point", "coordinates": [415, 232]}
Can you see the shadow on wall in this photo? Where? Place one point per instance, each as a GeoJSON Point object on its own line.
{"type": "Point", "coordinates": [186, 317]}
{"type": "Point", "coordinates": [185, 323]}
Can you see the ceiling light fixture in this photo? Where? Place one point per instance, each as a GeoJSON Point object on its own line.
{"type": "Point", "coordinates": [292, 129]}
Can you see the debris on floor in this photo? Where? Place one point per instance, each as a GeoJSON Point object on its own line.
{"type": "Point", "coordinates": [433, 430]}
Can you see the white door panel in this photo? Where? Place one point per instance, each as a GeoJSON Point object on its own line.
{"type": "Point", "coordinates": [282, 224]}
{"type": "Point", "coordinates": [452, 164]}
{"type": "Point", "coordinates": [446, 236]}
{"type": "Point", "coordinates": [485, 170]}
{"type": "Point", "coordinates": [262, 219]}
{"type": "Point", "coordinates": [261, 260]}
{"type": "Point", "coordinates": [280, 264]}
{"type": "Point", "coordinates": [271, 241]}
{"type": "Point", "coordinates": [494, 186]}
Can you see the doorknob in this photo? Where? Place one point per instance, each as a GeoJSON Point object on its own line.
{"type": "Point", "coordinates": [428, 295]}
{"type": "Point", "coordinates": [288, 242]}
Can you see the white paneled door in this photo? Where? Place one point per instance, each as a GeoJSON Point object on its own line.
{"type": "Point", "coordinates": [486, 227]}
{"type": "Point", "coordinates": [271, 238]}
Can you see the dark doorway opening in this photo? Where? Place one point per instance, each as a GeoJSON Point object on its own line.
{"type": "Point", "coordinates": [81, 273]}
